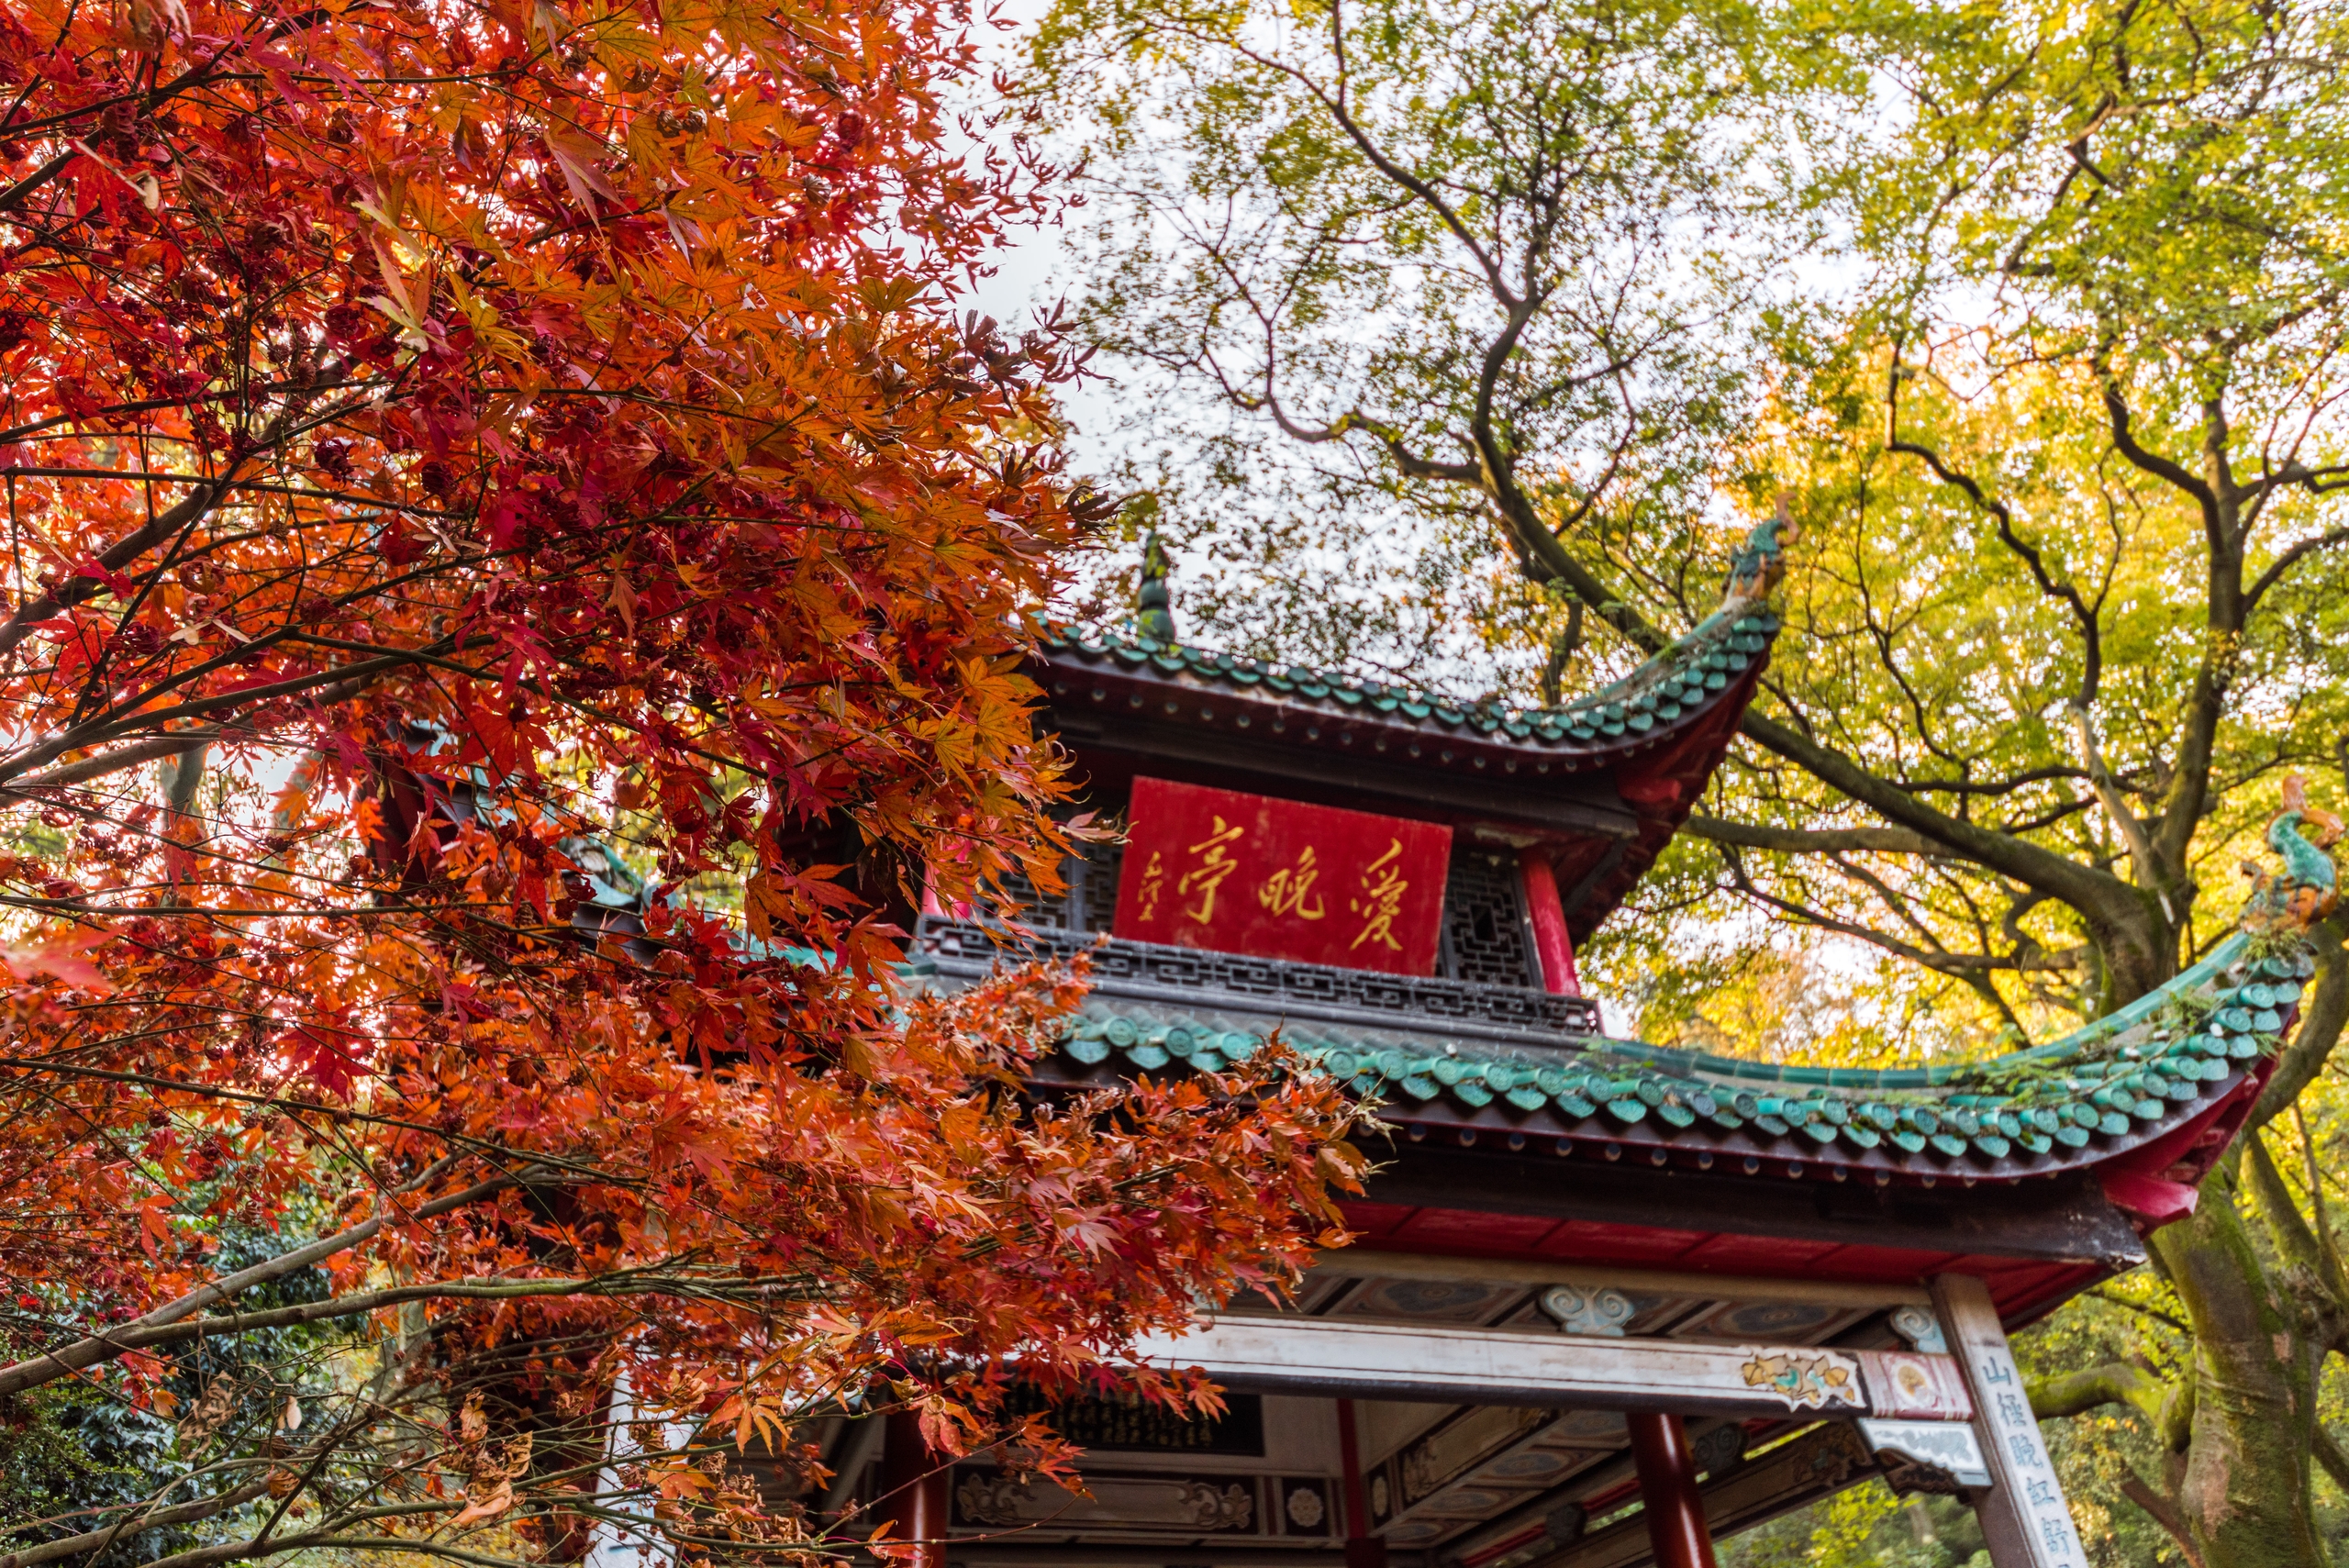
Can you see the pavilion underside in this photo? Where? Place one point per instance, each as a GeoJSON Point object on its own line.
{"type": "Point", "coordinates": [1415, 1410]}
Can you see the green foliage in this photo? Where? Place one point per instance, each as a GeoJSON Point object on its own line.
{"type": "Point", "coordinates": [2149, 183]}
{"type": "Point", "coordinates": [1690, 970]}
{"type": "Point", "coordinates": [2136, 1321]}
{"type": "Point", "coordinates": [72, 1451]}
{"type": "Point", "coordinates": [67, 1449]}
{"type": "Point", "coordinates": [2057, 400]}
{"type": "Point", "coordinates": [1866, 1527]}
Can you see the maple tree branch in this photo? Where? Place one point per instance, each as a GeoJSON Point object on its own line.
{"type": "Point", "coordinates": [327, 382]}
{"type": "Point", "coordinates": [118, 555]}
{"type": "Point", "coordinates": [233, 1551]}
{"type": "Point", "coordinates": [88, 1352]}
{"type": "Point", "coordinates": [115, 762]}
{"type": "Point", "coordinates": [542, 1162]}
{"type": "Point", "coordinates": [351, 679]}
{"type": "Point", "coordinates": [97, 1539]}
{"type": "Point", "coordinates": [13, 197]}
{"type": "Point", "coordinates": [181, 515]}
{"type": "Point", "coordinates": [2140, 1309]}
{"type": "Point", "coordinates": [257, 486]}
{"type": "Point", "coordinates": [628, 1281]}
{"type": "Point", "coordinates": [2315, 481]}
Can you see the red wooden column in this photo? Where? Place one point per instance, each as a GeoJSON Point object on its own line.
{"type": "Point", "coordinates": [1364, 1550]}
{"type": "Point", "coordinates": [1674, 1512]}
{"type": "Point", "coordinates": [1550, 944]}
{"type": "Point", "coordinates": [913, 1489]}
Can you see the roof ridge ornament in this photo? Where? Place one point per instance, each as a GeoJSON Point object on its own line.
{"type": "Point", "coordinates": [2307, 888]}
{"type": "Point", "coordinates": [2172, 1058]}
{"type": "Point", "coordinates": [1154, 611]}
{"type": "Point", "coordinates": [1758, 565]}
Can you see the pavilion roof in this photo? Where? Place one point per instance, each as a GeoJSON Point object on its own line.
{"type": "Point", "coordinates": [1604, 781]}
{"type": "Point", "coordinates": [1663, 699]}
{"type": "Point", "coordinates": [2131, 1091]}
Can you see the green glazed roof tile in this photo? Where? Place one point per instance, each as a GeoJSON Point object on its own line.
{"type": "Point", "coordinates": [2111, 1083]}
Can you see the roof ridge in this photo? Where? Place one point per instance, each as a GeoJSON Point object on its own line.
{"type": "Point", "coordinates": [1713, 652]}
{"type": "Point", "coordinates": [2197, 1043]}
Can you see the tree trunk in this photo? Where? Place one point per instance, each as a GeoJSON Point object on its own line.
{"type": "Point", "coordinates": [2243, 1489]}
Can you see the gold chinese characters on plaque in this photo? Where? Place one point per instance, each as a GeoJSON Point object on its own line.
{"type": "Point", "coordinates": [1247, 873]}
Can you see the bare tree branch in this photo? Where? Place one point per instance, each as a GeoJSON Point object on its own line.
{"type": "Point", "coordinates": [1809, 842]}
{"type": "Point", "coordinates": [2083, 613]}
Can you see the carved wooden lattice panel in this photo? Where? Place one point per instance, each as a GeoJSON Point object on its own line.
{"type": "Point", "coordinates": [1485, 939]}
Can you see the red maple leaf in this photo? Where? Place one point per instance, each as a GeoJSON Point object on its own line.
{"type": "Point", "coordinates": [334, 1059]}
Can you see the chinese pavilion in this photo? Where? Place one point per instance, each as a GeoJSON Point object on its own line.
{"type": "Point", "coordinates": [1608, 1300]}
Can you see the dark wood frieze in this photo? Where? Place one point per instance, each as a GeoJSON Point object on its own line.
{"type": "Point", "coordinates": [2063, 1217]}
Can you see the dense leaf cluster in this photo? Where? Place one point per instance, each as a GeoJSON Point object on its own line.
{"type": "Point", "coordinates": [449, 452]}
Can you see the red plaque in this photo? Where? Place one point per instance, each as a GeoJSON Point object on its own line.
{"type": "Point", "coordinates": [1233, 873]}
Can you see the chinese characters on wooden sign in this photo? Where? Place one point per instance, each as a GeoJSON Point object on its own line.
{"type": "Point", "coordinates": [2024, 1516]}
{"type": "Point", "coordinates": [2011, 1425]}
{"type": "Point", "coordinates": [1233, 873]}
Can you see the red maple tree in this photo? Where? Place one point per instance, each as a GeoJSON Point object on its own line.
{"type": "Point", "coordinates": [453, 453]}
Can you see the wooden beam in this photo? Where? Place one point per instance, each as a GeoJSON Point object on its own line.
{"type": "Point", "coordinates": [1490, 1366]}
{"type": "Point", "coordinates": [2062, 1216]}
{"type": "Point", "coordinates": [1372, 1262]}
{"type": "Point", "coordinates": [1579, 803]}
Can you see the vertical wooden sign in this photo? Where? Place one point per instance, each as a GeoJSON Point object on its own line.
{"type": "Point", "coordinates": [1234, 873]}
{"type": "Point", "coordinates": [2025, 1522]}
